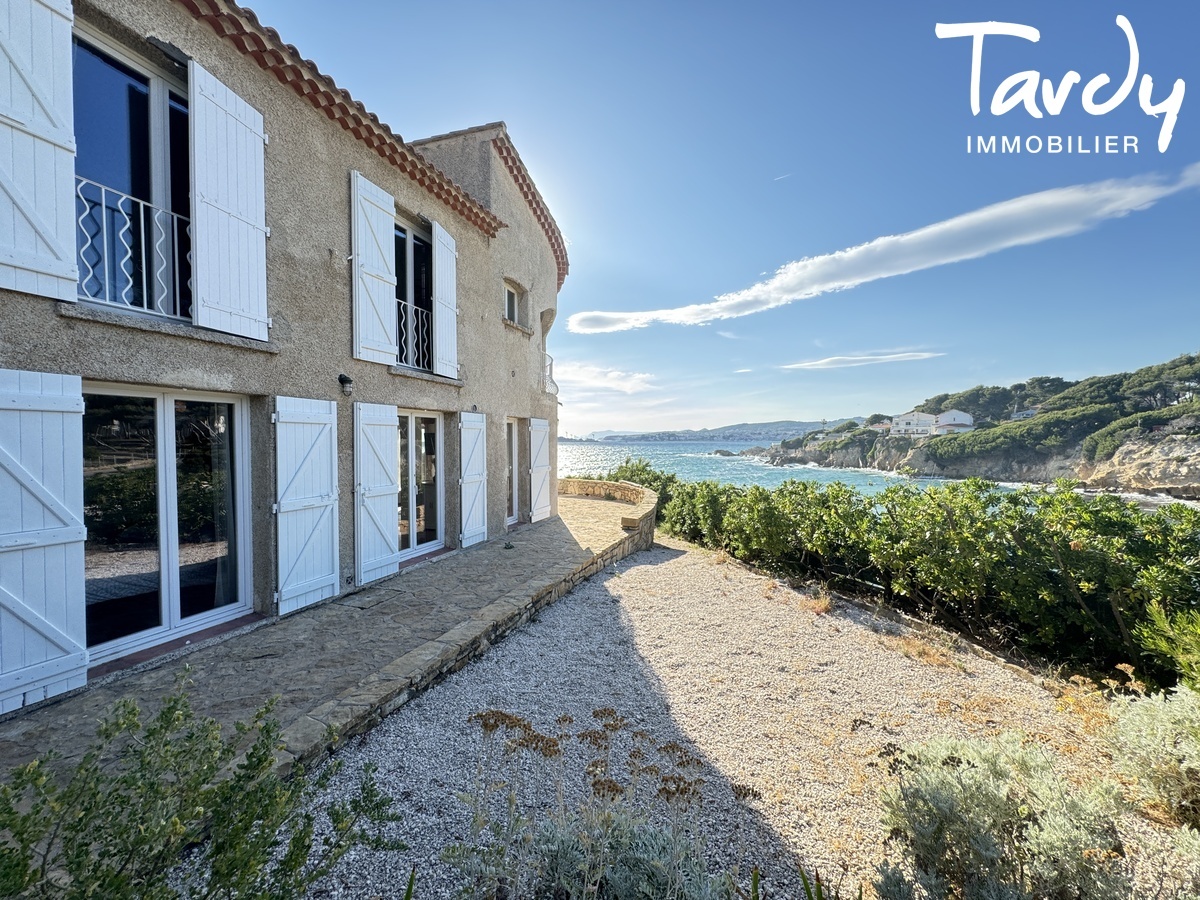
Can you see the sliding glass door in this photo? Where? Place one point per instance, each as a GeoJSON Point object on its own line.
{"type": "Point", "coordinates": [163, 510]}
{"type": "Point", "coordinates": [421, 501]}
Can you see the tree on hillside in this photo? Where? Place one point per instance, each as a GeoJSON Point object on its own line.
{"type": "Point", "coordinates": [875, 419]}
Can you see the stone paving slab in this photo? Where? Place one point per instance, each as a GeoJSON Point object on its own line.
{"type": "Point", "coordinates": [347, 663]}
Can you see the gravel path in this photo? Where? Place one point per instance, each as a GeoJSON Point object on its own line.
{"type": "Point", "coordinates": [772, 696]}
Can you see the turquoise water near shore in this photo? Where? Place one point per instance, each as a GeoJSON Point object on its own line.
{"type": "Point", "coordinates": [694, 461]}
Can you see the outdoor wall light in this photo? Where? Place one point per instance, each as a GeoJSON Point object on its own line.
{"type": "Point", "coordinates": [347, 384]}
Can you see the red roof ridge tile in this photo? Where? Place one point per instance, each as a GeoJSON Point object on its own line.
{"type": "Point", "coordinates": [241, 27]}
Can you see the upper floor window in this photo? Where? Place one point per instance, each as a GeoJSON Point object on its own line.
{"type": "Point", "coordinates": [132, 184]}
{"type": "Point", "coordinates": [515, 305]}
{"type": "Point", "coordinates": [405, 286]}
{"type": "Point", "coordinates": [414, 298]}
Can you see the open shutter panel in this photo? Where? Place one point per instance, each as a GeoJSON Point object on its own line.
{"type": "Point", "coordinates": [37, 150]}
{"type": "Point", "coordinates": [229, 213]}
{"type": "Point", "coordinates": [307, 500]}
{"type": "Point", "coordinates": [376, 330]}
{"type": "Point", "coordinates": [43, 631]}
{"type": "Point", "coordinates": [445, 303]}
{"type": "Point", "coordinates": [377, 491]}
{"type": "Point", "coordinates": [539, 471]}
{"type": "Point", "coordinates": [472, 437]}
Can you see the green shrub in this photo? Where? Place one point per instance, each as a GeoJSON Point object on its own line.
{"type": "Point", "coordinates": [116, 824]}
{"type": "Point", "coordinates": [1174, 640]}
{"type": "Point", "coordinates": [1049, 571]}
{"type": "Point", "coordinates": [697, 511]}
{"type": "Point", "coordinates": [1156, 740]}
{"type": "Point", "coordinates": [991, 819]}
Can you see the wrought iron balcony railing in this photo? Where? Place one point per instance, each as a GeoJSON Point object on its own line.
{"type": "Point", "coordinates": [132, 254]}
{"type": "Point", "coordinates": [416, 337]}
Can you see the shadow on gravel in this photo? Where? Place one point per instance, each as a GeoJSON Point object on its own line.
{"type": "Point", "coordinates": [578, 656]}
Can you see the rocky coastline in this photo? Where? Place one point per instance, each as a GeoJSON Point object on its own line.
{"type": "Point", "coordinates": [1157, 463]}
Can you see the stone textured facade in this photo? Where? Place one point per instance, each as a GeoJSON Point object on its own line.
{"type": "Point", "coordinates": [501, 233]}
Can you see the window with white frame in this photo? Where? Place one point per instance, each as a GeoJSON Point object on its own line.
{"type": "Point", "coordinates": [153, 234]}
{"type": "Point", "coordinates": [131, 181]}
{"type": "Point", "coordinates": [405, 286]}
{"type": "Point", "coordinates": [134, 181]}
{"type": "Point", "coordinates": [165, 505]}
{"type": "Point", "coordinates": [414, 297]}
{"type": "Point", "coordinates": [515, 304]}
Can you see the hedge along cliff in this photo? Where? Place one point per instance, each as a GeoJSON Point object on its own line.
{"type": "Point", "coordinates": [1165, 462]}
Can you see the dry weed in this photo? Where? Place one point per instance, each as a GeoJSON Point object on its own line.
{"type": "Point", "coordinates": [924, 651]}
{"type": "Point", "coordinates": [1085, 700]}
{"type": "Point", "coordinates": [816, 600]}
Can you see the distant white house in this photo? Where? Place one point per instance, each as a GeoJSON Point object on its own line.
{"type": "Point", "coordinates": [913, 423]}
{"type": "Point", "coordinates": [1027, 413]}
{"type": "Point", "coordinates": [953, 421]}
{"type": "Point", "coordinates": [919, 424]}
{"type": "Point", "coordinates": [882, 427]}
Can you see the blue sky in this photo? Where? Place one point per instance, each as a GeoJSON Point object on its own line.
{"type": "Point", "coordinates": [722, 165]}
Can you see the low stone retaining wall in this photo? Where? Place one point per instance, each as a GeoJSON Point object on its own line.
{"type": "Point", "coordinates": [360, 709]}
{"type": "Point", "coordinates": [638, 524]}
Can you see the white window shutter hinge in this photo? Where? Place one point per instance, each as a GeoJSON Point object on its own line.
{"type": "Point", "coordinates": [276, 597]}
{"type": "Point", "coordinates": [268, 231]}
{"type": "Point", "coordinates": [266, 138]}
{"type": "Point", "coordinates": [274, 418]}
{"type": "Point", "coordinates": [270, 321]}
{"type": "Point", "coordinates": [274, 509]}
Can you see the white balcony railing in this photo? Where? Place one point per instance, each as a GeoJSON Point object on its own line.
{"type": "Point", "coordinates": [416, 337]}
{"type": "Point", "coordinates": [548, 381]}
{"type": "Point", "coordinates": [132, 254]}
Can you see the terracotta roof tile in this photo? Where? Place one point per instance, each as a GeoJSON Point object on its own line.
{"type": "Point", "coordinates": [241, 27]}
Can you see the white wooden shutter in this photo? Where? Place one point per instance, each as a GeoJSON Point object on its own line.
{"type": "Point", "coordinates": [229, 212]}
{"type": "Point", "coordinates": [306, 478]}
{"type": "Point", "coordinates": [445, 303]}
{"type": "Point", "coordinates": [37, 149]}
{"type": "Point", "coordinates": [376, 491]}
{"type": "Point", "coordinates": [539, 471]}
{"type": "Point", "coordinates": [473, 446]}
{"type": "Point", "coordinates": [376, 330]}
{"type": "Point", "coordinates": [43, 629]}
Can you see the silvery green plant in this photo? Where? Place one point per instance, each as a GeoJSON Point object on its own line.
{"type": "Point", "coordinates": [1156, 741]}
{"type": "Point", "coordinates": [991, 820]}
{"type": "Point", "coordinates": [602, 847]}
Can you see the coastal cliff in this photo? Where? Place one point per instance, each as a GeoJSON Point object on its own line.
{"type": "Point", "coordinates": [1153, 463]}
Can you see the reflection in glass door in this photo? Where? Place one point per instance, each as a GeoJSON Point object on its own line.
{"type": "Point", "coordinates": [161, 509]}
{"type": "Point", "coordinates": [510, 443]}
{"type": "Point", "coordinates": [121, 512]}
{"type": "Point", "coordinates": [404, 453]}
{"type": "Point", "coordinates": [204, 498]}
{"type": "Point", "coordinates": [418, 448]}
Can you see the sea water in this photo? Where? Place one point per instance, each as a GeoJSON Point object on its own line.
{"type": "Point", "coordinates": [696, 461]}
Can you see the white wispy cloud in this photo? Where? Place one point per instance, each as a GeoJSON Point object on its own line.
{"type": "Point", "coordinates": [1029, 219]}
{"type": "Point", "coordinates": [582, 377]}
{"type": "Point", "coordinates": [728, 335]}
{"type": "Point", "coordinates": [862, 359]}
{"type": "Point", "coordinates": [742, 371]}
